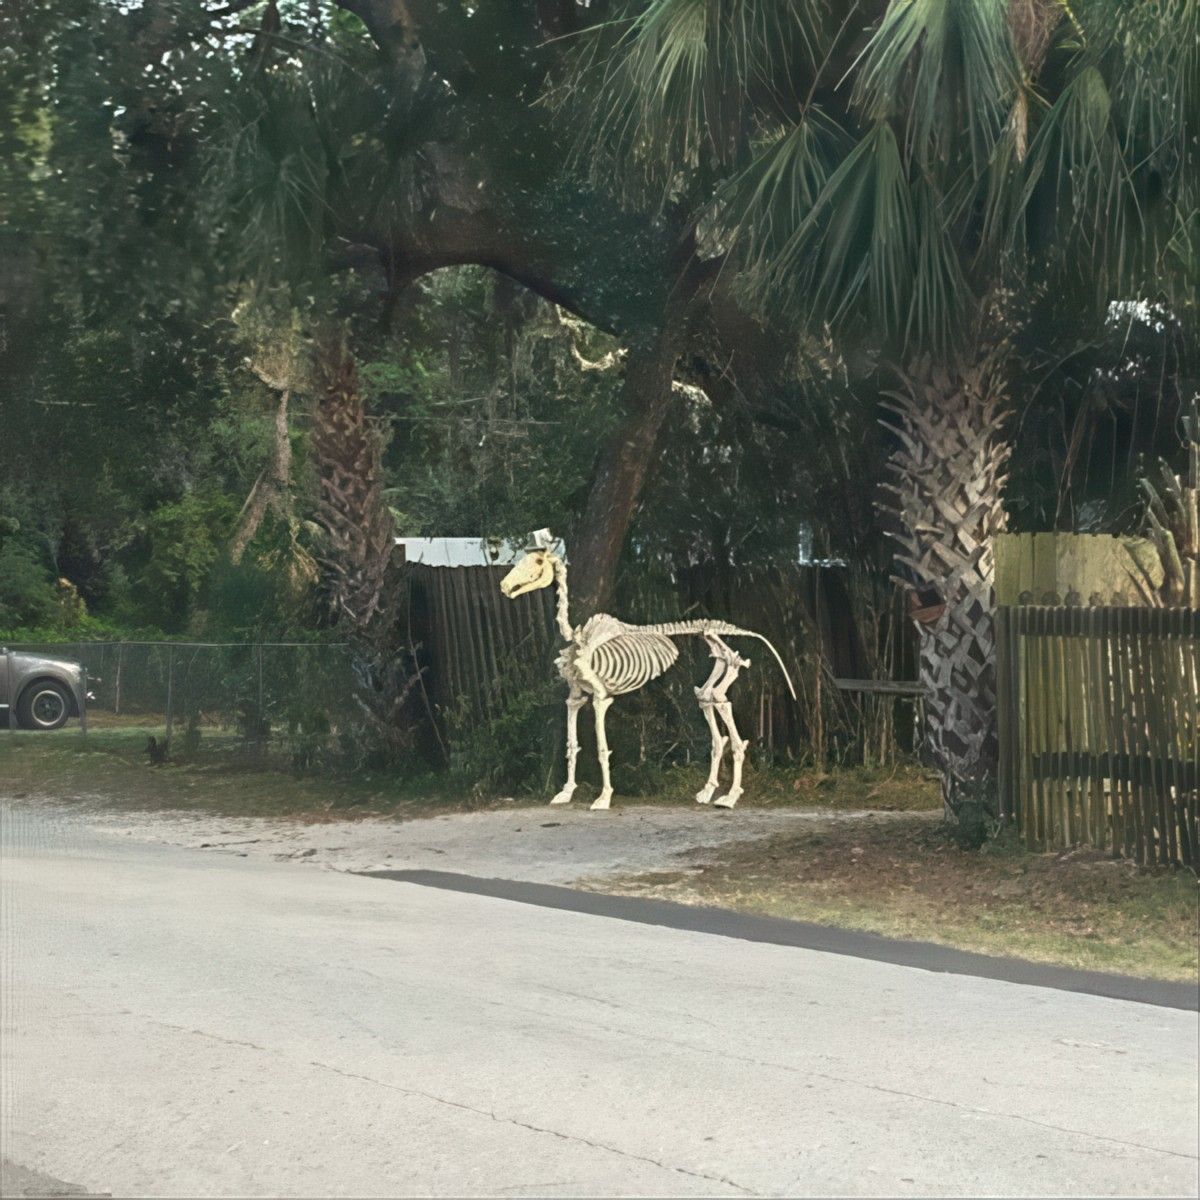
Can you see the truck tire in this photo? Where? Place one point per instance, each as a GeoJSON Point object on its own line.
{"type": "Point", "coordinates": [44, 704]}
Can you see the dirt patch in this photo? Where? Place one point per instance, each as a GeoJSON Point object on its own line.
{"type": "Point", "coordinates": [905, 877]}
{"type": "Point", "coordinates": [542, 845]}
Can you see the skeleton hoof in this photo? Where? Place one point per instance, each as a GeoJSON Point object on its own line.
{"type": "Point", "coordinates": [729, 799]}
{"type": "Point", "coordinates": [705, 794]}
{"type": "Point", "coordinates": [563, 797]}
{"type": "Point", "coordinates": [604, 800]}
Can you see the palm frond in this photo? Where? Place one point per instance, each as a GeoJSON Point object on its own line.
{"type": "Point", "coordinates": [853, 247]}
{"type": "Point", "coordinates": [673, 86]}
{"type": "Point", "coordinates": [762, 207]}
{"type": "Point", "coordinates": [1112, 177]}
{"type": "Point", "coordinates": [270, 177]}
{"type": "Point", "coordinates": [941, 299]}
{"type": "Point", "coordinates": [945, 70]}
{"type": "Point", "coordinates": [1078, 202]}
{"type": "Point", "coordinates": [304, 147]}
{"type": "Point", "coordinates": [1149, 51]}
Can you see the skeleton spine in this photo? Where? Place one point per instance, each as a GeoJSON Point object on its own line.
{"type": "Point", "coordinates": [704, 626]}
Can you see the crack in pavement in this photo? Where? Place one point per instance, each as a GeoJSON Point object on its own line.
{"type": "Point", "coordinates": [216, 1037]}
{"type": "Point", "coordinates": [717, 1052]}
{"type": "Point", "coordinates": [559, 1183]}
{"type": "Point", "coordinates": [554, 991]}
{"type": "Point", "coordinates": [483, 1112]}
{"type": "Point", "coordinates": [873, 1087]}
{"type": "Point", "coordinates": [567, 1137]}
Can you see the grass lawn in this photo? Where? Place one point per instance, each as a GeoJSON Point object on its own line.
{"type": "Point", "coordinates": [110, 768]}
{"type": "Point", "coordinates": [906, 877]}
{"type": "Point", "coordinates": [222, 775]}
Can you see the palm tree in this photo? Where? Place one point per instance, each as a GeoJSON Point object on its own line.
{"type": "Point", "coordinates": [914, 174]}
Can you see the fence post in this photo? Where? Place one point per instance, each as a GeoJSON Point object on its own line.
{"type": "Point", "coordinates": [1003, 714]}
{"type": "Point", "coordinates": [170, 692]}
{"type": "Point", "coordinates": [260, 733]}
{"type": "Point", "coordinates": [117, 685]}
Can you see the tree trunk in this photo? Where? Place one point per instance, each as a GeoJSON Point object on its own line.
{"type": "Point", "coordinates": [626, 457]}
{"type": "Point", "coordinates": [620, 474]}
{"type": "Point", "coordinates": [350, 507]}
{"type": "Point", "coordinates": [270, 490]}
{"type": "Point", "coordinates": [947, 481]}
{"type": "Point", "coordinates": [366, 590]}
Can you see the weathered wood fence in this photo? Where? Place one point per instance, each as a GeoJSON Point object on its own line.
{"type": "Point", "coordinates": [1099, 724]}
{"type": "Point", "coordinates": [480, 650]}
{"type": "Point", "coordinates": [1090, 568]}
{"type": "Point", "coordinates": [474, 640]}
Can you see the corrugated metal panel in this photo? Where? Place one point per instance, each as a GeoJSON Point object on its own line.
{"type": "Point", "coordinates": [465, 552]}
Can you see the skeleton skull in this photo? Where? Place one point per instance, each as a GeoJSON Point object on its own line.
{"type": "Point", "coordinates": [535, 570]}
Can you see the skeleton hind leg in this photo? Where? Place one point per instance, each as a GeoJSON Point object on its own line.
{"type": "Point", "coordinates": [704, 694]}
{"type": "Point", "coordinates": [737, 744]}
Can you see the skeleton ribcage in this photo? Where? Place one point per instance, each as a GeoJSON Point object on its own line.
{"type": "Point", "coordinates": [626, 662]}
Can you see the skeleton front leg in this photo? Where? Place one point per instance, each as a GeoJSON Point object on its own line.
{"type": "Point", "coordinates": [705, 696]}
{"type": "Point", "coordinates": [601, 705]}
{"type": "Point", "coordinates": [575, 701]}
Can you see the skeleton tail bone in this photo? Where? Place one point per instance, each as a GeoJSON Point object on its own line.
{"type": "Point", "coordinates": [719, 628]}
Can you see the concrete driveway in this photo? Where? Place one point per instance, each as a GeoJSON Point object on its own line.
{"type": "Point", "coordinates": [183, 1024]}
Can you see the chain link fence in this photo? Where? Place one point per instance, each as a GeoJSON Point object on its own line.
{"type": "Point", "coordinates": [278, 704]}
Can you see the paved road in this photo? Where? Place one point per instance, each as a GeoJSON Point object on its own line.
{"type": "Point", "coordinates": [182, 1023]}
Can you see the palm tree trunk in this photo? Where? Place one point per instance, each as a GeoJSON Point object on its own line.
{"type": "Point", "coordinates": [947, 481]}
{"type": "Point", "coordinates": [364, 585]}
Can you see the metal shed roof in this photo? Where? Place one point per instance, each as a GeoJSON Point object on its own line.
{"type": "Point", "coordinates": [466, 552]}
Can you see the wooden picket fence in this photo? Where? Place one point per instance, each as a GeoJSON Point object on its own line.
{"type": "Point", "coordinates": [1099, 725]}
{"type": "Point", "coordinates": [472, 639]}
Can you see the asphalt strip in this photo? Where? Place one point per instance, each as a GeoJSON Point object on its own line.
{"type": "Point", "coordinates": [778, 931]}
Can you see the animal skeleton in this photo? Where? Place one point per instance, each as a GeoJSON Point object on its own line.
{"type": "Point", "coordinates": [605, 657]}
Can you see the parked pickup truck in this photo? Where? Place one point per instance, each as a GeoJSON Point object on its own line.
{"type": "Point", "coordinates": [47, 692]}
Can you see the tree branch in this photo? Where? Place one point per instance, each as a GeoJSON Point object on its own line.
{"type": "Point", "coordinates": [389, 22]}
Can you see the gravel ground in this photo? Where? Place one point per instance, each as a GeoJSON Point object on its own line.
{"type": "Point", "coordinates": [536, 845]}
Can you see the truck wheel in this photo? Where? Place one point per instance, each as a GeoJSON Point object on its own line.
{"type": "Point", "coordinates": [44, 704]}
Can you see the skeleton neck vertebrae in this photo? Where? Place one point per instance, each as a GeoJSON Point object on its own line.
{"type": "Point", "coordinates": [606, 657]}
{"type": "Point", "coordinates": [562, 612]}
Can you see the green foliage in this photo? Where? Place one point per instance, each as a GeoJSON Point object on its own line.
{"type": "Point", "coordinates": [308, 734]}
{"type": "Point", "coordinates": [511, 751]}
{"type": "Point", "coordinates": [885, 188]}
{"type": "Point", "coordinates": [678, 81]}
{"type": "Point", "coordinates": [947, 70]}
{"type": "Point", "coordinates": [178, 196]}
{"type": "Point", "coordinates": [184, 540]}
{"type": "Point", "coordinates": [495, 427]}
{"type": "Point", "coordinates": [26, 593]}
